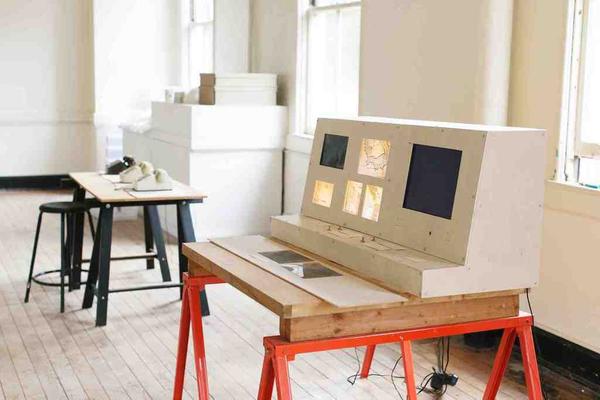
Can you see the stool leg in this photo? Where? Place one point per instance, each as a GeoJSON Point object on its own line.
{"type": "Point", "coordinates": [91, 222]}
{"type": "Point", "coordinates": [198, 339]}
{"type": "Point", "coordinates": [267, 377]}
{"type": "Point", "coordinates": [282, 377]}
{"type": "Point", "coordinates": [69, 245]}
{"type": "Point", "coordinates": [530, 366]}
{"type": "Point", "coordinates": [35, 244]}
{"type": "Point", "coordinates": [182, 347]}
{"type": "Point", "coordinates": [63, 262]}
{"type": "Point", "coordinates": [409, 373]}
{"type": "Point", "coordinates": [366, 367]}
{"type": "Point", "coordinates": [500, 363]}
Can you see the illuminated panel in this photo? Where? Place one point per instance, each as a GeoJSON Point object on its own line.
{"type": "Point", "coordinates": [373, 157]}
{"type": "Point", "coordinates": [352, 197]}
{"type": "Point", "coordinates": [372, 203]}
{"type": "Point", "coordinates": [323, 193]}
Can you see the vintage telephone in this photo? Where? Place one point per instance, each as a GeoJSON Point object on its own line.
{"type": "Point", "coordinates": [159, 179]}
{"type": "Point", "coordinates": [135, 172]}
{"type": "Point", "coordinates": [118, 166]}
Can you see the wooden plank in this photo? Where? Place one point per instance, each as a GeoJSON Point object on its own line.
{"type": "Point", "coordinates": [106, 191]}
{"type": "Point", "coordinates": [407, 316]}
{"type": "Point", "coordinates": [279, 296]}
{"type": "Point", "coordinates": [275, 294]}
{"type": "Point", "coordinates": [344, 290]}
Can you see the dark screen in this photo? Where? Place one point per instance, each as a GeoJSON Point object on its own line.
{"type": "Point", "coordinates": [432, 180]}
{"type": "Point", "coordinates": [333, 153]}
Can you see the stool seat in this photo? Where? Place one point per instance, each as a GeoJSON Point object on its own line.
{"type": "Point", "coordinates": [63, 207]}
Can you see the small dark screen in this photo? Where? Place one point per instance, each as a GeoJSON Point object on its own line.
{"type": "Point", "coordinates": [432, 180]}
{"type": "Point", "coordinates": [333, 153]}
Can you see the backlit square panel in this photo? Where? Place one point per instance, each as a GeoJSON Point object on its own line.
{"type": "Point", "coordinates": [333, 153]}
{"type": "Point", "coordinates": [372, 203]}
{"type": "Point", "coordinates": [373, 157]}
{"type": "Point", "coordinates": [352, 197]}
{"type": "Point", "coordinates": [323, 193]}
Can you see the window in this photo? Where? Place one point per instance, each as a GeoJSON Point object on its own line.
{"type": "Point", "coordinates": [200, 39]}
{"type": "Point", "coordinates": [329, 59]}
{"type": "Point", "coordinates": [583, 127]}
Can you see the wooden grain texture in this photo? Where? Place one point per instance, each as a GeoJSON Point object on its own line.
{"type": "Point", "coordinates": [106, 192]}
{"type": "Point", "coordinates": [133, 357]}
{"type": "Point", "coordinates": [404, 317]}
{"type": "Point", "coordinates": [344, 290]}
{"type": "Point", "coordinates": [290, 302]}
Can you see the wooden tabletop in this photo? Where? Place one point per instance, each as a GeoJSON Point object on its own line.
{"type": "Point", "coordinates": [280, 296]}
{"type": "Point", "coordinates": [104, 188]}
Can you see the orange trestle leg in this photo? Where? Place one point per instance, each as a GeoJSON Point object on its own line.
{"type": "Point", "coordinates": [278, 351]}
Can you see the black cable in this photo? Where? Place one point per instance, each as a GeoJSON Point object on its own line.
{"type": "Point", "coordinates": [535, 342]}
{"type": "Point", "coordinates": [392, 378]}
{"type": "Point", "coordinates": [352, 378]}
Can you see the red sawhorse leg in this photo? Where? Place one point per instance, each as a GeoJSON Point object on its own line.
{"type": "Point", "coordinates": [191, 313]}
{"type": "Point", "coordinates": [184, 334]}
{"type": "Point", "coordinates": [409, 372]}
{"type": "Point", "coordinates": [530, 366]}
{"type": "Point", "coordinates": [279, 351]}
{"type": "Point", "coordinates": [265, 389]}
{"type": "Point", "coordinates": [366, 366]}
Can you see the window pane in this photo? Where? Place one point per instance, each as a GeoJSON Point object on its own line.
{"type": "Point", "coordinates": [332, 65]}
{"type": "Point", "coordinates": [202, 10]}
{"type": "Point", "coordinates": [590, 117]}
{"type": "Point", "coordinates": [200, 51]}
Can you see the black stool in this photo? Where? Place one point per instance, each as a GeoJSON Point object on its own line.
{"type": "Point", "coordinates": [67, 210]}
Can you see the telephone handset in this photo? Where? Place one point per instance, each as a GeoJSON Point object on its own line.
{"type": "Point", "coordinates": [135, 172]}
{"type": "Point", "coordinates": [118, 166]}
{"type": "Point", "coordinates": [159, 179]}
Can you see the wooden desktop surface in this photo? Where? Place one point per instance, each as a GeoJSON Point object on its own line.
{"type": "Point", "coordinates": [107, 192]}
{"type": "Point", "coordinates": [304, 316]}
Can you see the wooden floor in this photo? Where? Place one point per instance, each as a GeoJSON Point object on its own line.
{"type": "Point", "coordinates": [45, 354]}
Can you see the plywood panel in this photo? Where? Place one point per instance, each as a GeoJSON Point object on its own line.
{"type": "Point", "coordinates": [344, 290]}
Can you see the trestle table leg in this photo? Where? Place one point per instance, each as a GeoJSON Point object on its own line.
{"type": "Point", "coordinates": [500, 363]}
{"type": "Point", "coordinates": [184, 335]}
{"type": "Point", "coordinates": [409, 373]}
{"type": "Point", "coordinates": [530, 366]}
{"type": "Point", "coordinates": [265, 390]}
{"type": "Point", "coordinates": [282, 377]}
{"type": "Point", "coordinates": [193, 293]}
{"type": "Point", "coordinates": [366, 367]}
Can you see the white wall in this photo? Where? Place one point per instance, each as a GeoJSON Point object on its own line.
{"type": "Point", "coordinates": [46, 87]}
{"type": "Point", "coordinates": [138, 52]}
{"type": "Point", "coordinates": [436, 60]}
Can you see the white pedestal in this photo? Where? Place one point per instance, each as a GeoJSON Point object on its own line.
{"type": "Point", "coordinates": [233, 154]}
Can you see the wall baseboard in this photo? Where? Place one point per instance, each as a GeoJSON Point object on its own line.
{"type": "Point", "coordinates": [36, 182]}
{"type": "Point", "coordinates": [568, 359]}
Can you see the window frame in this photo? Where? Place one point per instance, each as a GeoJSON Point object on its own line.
{"type": "Point", "coordinates": [190, 24]}
{"type": "Point", "coordinates": [306, 9]}
{"type": "Point", "coordinates": [574, 147]}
